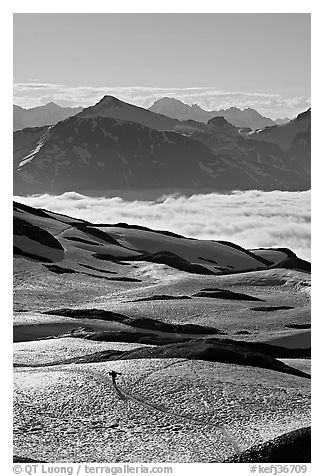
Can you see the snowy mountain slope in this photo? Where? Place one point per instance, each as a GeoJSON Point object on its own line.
{"type": "Point", "coordinates": [153, 277]}
{"type": "Point", "coordinates": [25, 142]}
{"type": "Point", "coordinates": [54, 238]}
{"type": "Point", "coordinates": [89, 298]}
{"type": "Point", "coordinates": [39, 144]}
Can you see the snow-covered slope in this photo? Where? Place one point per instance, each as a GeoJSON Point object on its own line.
{"type": "Point", "coordinates": [39, 144]}
{"type": "Point", "coordinates": [52, 238]}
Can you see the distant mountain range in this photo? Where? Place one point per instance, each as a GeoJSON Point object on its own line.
{"type": "Point", "coordinates": [284, 120]}
{"type": "Point", "coordinates": [52, 113]}
{"type": "Point", "coordinates": [114, 145]}
{"type": "Point", "coordinates": [240, 118]}
{"type": "Point", "coordinates": [45, 115]}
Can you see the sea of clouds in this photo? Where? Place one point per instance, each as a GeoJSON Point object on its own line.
{"type": "Point", "coordinates": [251, 219]}
{"type": "Point", "coordinates": [31, 94]}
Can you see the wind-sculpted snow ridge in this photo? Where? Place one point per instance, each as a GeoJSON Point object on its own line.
{"type": "Point", "coordinates": [144, 323]}
{"type": "Point", "coordinates": [188, 347]}
{"type": "Point", "coordinates": [81, 244]}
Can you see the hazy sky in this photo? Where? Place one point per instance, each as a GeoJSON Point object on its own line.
{"type": "Point", "coordinates": [262, 60]}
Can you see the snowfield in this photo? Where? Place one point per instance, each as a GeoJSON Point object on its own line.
{"type": "Point", "coordinates": [212, 342]}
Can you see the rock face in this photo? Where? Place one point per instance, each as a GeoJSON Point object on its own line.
{"type": "Point", "coordinates": [117, 146]}
{"type": "Point", "coordinates": [241, 118]}
{"type": "Point", "coordinates": [295, 445]}
{"type": "Point", "coordinates": [49, 114]}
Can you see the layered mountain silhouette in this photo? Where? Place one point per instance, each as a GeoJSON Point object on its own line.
{"type": "Point", "coordinates": [241, 118]}
{"type": "Point", "coordinates": [111, 107]}
{"type": "Point", "coordinates": [98, 154]}
{"type": "Point", "coordinates": [282, 120]}
{"type": "Point", "coordinates": [293, 137]}
{"type": "Point", "coordinates": [285, 134]}
{"type": "Point", "coordinates": [48, 114]}
{"type": "Point", "coordinates": [114, 145]}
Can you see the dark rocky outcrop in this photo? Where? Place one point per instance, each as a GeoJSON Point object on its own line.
{"type": "Point", "coordinates": [292, 447]}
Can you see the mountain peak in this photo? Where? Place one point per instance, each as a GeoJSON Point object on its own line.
{"type": "Point", "coordinates": [196, 107]}
{"type": "Point", "coordinates": [110, 101]}
{"type": "Point", "coordinates": [234, 109]}
{"type": "Point", "coordinates": [239, 118]}
{"type": "Point", "coordinates": [110, 106]}
{"type": "Point", "coordinates": [38, 116]}
{"type": "Point", "coordinates": [218, 121]}
{"type": "Point", "coordinates": [106, 107]}
{"type": "Point", "coordinates": [167, 99]}
{"type": "Point", "coordinates": [52, 105]}
{"type": "Point", "coordinates": [304, 115]}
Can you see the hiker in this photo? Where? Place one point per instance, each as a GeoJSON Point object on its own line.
{"type": "Point", "coordinates": [113, 375]}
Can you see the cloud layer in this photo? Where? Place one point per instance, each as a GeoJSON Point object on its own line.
{"type": "Point", "coordinates": [251, 219]}
{"type": "Point", "coordinates": [31, 94]}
